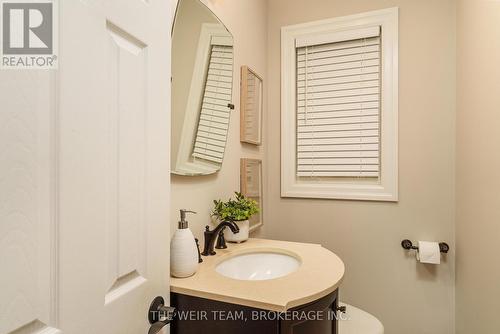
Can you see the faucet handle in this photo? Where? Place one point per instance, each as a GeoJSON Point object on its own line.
{"type": "Point", "coordinates": [200, 260]}
{"type": "Point", "coordinates": [221, 241]}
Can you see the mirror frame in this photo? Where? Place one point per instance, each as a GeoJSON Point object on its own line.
{"type": "Point", "coordinates": [182, 163]}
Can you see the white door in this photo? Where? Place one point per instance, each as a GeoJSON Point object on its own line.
{"type": "Point", "coordinates": [84, 175]}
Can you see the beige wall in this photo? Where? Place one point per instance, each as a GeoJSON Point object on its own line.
{"type": "Point", "coordinates": [407, 297]}
{"type": "Point", "coordinates": [247, 21]}
{"type": "Point", "coordinates": [478, 164]}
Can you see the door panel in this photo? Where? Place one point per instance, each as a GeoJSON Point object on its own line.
{"type": "Point", "coordinates": [115, 55]}
{"type": "Point", "coordinates": [126, 221]}
{"type": "Point", "coordinates": [28, 223]}
{"type": "Point", "coordinates": [84, 175]}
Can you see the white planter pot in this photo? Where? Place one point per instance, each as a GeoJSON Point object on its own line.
{"type": "Point", "coordinates": [241, 236]}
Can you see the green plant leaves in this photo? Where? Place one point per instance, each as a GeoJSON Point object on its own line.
{"type": "Point", "coordinates": [235, 210]}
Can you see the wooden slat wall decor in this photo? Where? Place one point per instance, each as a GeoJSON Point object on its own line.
{"type": "Point", "coordinates": [251, 105]}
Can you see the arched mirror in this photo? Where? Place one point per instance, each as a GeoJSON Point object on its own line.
{"type": "Point", "coordinates": [202, 83]}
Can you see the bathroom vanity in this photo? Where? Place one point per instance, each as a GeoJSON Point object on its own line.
{"type": "Point", "coordinates": [260, 286]}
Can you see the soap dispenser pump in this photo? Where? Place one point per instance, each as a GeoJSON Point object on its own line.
{"type": "Point", "coordinates": [183, 249]}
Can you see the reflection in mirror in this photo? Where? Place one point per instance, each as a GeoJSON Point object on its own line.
{"type": "Point", "coordinates": [202, 81]}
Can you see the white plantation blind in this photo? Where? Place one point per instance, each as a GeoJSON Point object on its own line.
{"type": "Point", "coordinates": [213, 124]}
{"type": "Point", "coordinates": [338, 104]}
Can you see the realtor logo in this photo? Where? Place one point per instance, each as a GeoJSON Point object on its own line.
{"type": "Point", "coordinates": [28, 34]}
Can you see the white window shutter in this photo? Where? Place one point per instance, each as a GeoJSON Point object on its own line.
{"type": "Point", "coordinates": [338, 105]}
{"type": "Point", "coordinates": [213, 124]}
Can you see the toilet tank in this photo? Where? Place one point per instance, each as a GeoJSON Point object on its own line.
{"type": "Point", "coordinates": [357, 321]}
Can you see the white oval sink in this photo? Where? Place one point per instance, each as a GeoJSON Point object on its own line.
{"type": "Point", "coordinates": [258, 266]}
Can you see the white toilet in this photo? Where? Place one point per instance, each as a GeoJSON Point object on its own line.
{"type": "Point", "coordinates": [359, 322]}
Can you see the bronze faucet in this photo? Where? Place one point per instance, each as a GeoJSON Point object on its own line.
{"type": "Point", "coordinates": [211, 236]}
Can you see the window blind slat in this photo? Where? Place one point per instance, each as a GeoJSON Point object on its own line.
{"type": "Point", "coordinates": [321, 54]}
{"type": "Point", "coordinates": [218, 90]}
{"type": "Point", "coordinates": [338, 154]}
{"type": "Point", "coordinates": [213, 124]}
{"type": "Point", "coordinates": [209, 112]}
{"type": "Point", "coordinates": [218, 55]}
{"type": "Point", "coordinates": [212, 149]}
{"type": "Point", "coordinates": [339, 93]}
{"type": "Point", "coordinates": [350, 61]}
{"type": "Point", "coordinates": [216, 120]}
{"type": "Point", "coordinates": [338, 141]}
{"type": "Point", "coordinates": [215, 107]}
{"type": "Point", "coordinates": [337, 80]}
{"type": "Point", "coordinates": [342, 162]}
{"type": "Point", "coordinates": [337, 134]}
{"type": "Point", "coordinates": [337, 67]}
{"type": "Point", "coordinates": [210, 138]}
{"type": "Point", "coordinates": [337, 174]}
{"type": "Point", "coordinates": [210, 102]}
{"type": "Point", "coordinates": [220, 72]}
{"type": "Point", "coordinates": [340, 46]}
{"type": "Point", "coordinates": [339, 100]}
{"type": "Point", "coordinates": [217, 95]}
{"type": "Point", "coordinates": [335, 112]}
{"type": "Point", "coordinates": [206, 156]}
{"type": "Point", "coordinates": [339, 148]}
{"type": "Point", "coordinates": [340, 73]}
{"type": "Point", "coordinates": [338, 109]}
{"type": "Point", "coordinates": [212, 153]}
{"type": "Point", "coordinates": [219, 84]}
{"type": "Point", "coordinates": [340, 128]}
{"type": "Point", "coordinates": [222, 42]}
{"type": "Point", "coordinates": [339, 121]}
{"type": "Point", "coordinates": [222, 126]}
{"type": "Point", "coordinates": [342, 107]}
{"type": "Point", "coordinates": [211, 132]}
{"type": "Point", "coordinates": [214, 79]}
{"type": "Point", "coordinates": [215, 66]}
{"type": "Point", "coordinates": [338, 36]}
{"type": "Point", "coordinates": [338, 168]}
{"type": "Point", "coordinates": [338, 87]}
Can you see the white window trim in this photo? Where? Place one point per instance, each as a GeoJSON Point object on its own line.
{"type": "Point", "coordinates": [386, 188]}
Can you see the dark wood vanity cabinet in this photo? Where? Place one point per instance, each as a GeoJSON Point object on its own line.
{"type": "Point", "coordinates": [199, 315]}
{"type": "Point", "coordinates": [321, 318]}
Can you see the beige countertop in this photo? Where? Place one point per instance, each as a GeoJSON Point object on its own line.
{"type": "Point", "coordinates": [319, 274]}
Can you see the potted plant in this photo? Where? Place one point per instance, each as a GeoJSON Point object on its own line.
{"type": "Point", "coordinates": [237, 210]}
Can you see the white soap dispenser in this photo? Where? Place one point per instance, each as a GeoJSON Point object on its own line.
{"type": "Point", "coordinates": [183, 250]}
